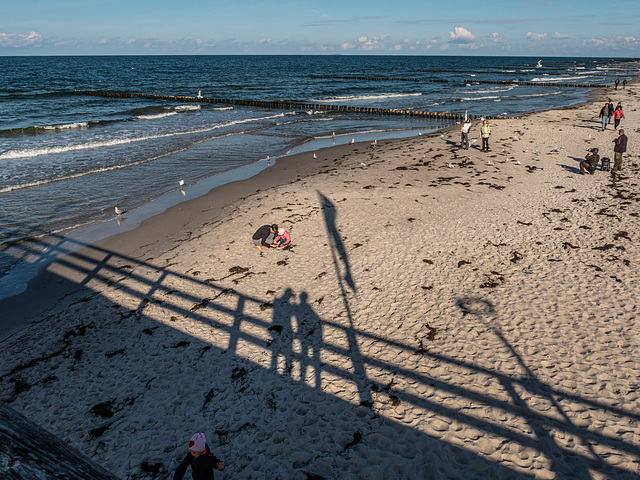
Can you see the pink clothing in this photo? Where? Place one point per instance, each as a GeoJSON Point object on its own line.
{"type": "Point", "coordinates": [617, 114]}
{"type": "Point", "coordinates": [286, 236]}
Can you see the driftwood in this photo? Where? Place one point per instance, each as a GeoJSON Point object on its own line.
{"type": "Point", "coordinates": [29, 452]}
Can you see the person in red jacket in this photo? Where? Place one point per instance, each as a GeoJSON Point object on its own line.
{"type": "Point", "coordinates": [617, 115]}
{"type": "Point", "coordinates": [201, 460]}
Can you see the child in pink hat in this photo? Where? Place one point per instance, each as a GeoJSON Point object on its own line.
{"type": "Point", "coordinates": [200, 459]}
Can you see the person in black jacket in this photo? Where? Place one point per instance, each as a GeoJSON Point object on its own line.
{"type": "Point", "coordinates": [201, 460]}
{"type": "Point", "coordinates": [618, 149]}
{"type": "Point", "coordinates": [264, 236]}
{"type": "Point", "coordinates": [590, 162]}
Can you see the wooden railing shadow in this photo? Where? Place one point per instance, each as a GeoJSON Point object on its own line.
{"type": "Point", "coordinates": [257, 364]}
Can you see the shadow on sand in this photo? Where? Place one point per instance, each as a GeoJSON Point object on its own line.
{"type": "Point", "coordinates": [296, 405]}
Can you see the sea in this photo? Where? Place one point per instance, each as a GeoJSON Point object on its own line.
{"type": "Point", "coordinates": [68, 159]}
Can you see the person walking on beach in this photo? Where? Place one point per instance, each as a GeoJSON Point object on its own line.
{"type": "Point", "coordinates": [618, 114]}
{"type": "Point", "coordinates": [618, 149]}
{"type": "Point", "coordinates": [201, 460]}
{"type": "Point", "coordinates": [604, 115]}
{"type": "Point", "coordinates": [464, 133]}
{"type": "Point", "coordinates": [264, 236]}
{"type": "Point", "coordinates": [485, 132]}
{"type": "Point", "coordinates": [617, 82]}
{"type": "Point", "coordinates": [624, 84]}
{"type": "Point", "coordinates": [590, 162]}
{"type": "Point", "coordinates": [611, 110]}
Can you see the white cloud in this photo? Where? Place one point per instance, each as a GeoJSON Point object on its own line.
{"type": "Point", "coordinates": [536, 36]}
{"type": "Point", "coordinates": [461, 35]}
{"type": "Point", "coordinates": [496, 37]}
{"type": "Point", "coordinates": [560, 35]}
{"type": "Point", "coordinates": [17, 40]}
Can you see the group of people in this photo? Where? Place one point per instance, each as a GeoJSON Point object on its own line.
{"type": "Point", "coordinates": [271, 236]}
{"type": "Point", "coordinates": [608, 111]}
{"type": "Point", "coordinates": [617, 82]}
{"type": "Point", "coordinates": [485, 133]}
{"type": "Point", "coordinates": [589, 164]}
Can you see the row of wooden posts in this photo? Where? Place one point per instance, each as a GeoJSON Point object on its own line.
{"type": "Point", "coordinates": [340, 77]}
{"type": "Point", "coordinates": [316, 107]}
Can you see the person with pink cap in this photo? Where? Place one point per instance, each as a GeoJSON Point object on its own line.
{"type": "Point", "coordinates": [282, 239]}
{"type": "Point", "coordinates": [201, 460]}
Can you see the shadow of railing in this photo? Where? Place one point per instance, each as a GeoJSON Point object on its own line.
{"type": "Point", "coordinates": [294, 349]}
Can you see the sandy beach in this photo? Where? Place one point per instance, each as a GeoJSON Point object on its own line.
{"type": "Point", "coordinates": [441, 313]}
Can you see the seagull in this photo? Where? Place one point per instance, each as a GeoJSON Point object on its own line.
{"type": "Point", "coordinates": [374, 143]}
{"type": "Point", "coordinates": [490, 162]}
{"type": "Point", "coordinates": [507, 159]}
{"type": "Point", "coordinates": [181, 183]}
{"type": "Point", "coordinates": [120, 211]}
{"type": "Point", "coordinates": [517, 162]}
{"type": "Point", "coordinates": [589, 136]}
{"type": "Point", "coordinates": [526, 150]}
{"type": "Point", "coordinates": [353, 140]}
{"type": "Point", "coordinates": [419, 134]}
{"type": "Point", "coordinates": [451, 165]}
{"type": "Point", "coordinates": [315, 156]}
{"type": "Point", "coordinates": [474, 140]}
{"type": "Point", "coordinates": [515, 137]}
{"type": "Point", "coordinates": [537, 152]}
{"type": "Point", "coordinates": [362, 164]}
{"type": "Point", "coordinates": [442, 135]}
{"type": "Point", "coordinates": [199, 94]}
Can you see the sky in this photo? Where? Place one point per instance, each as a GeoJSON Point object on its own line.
{"type": "Point", "coordinates": [586, 28]}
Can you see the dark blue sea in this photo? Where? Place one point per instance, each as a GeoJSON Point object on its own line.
{"type": "Point", "coordinates": [67, 159]}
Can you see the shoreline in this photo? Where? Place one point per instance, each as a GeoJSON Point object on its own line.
{"type": "Point", "coordinates": [432, 318]}
{"type": "Point", "coordinates": [14, 304]}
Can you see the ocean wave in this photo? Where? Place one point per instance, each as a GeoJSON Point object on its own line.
{"type": "Point", "coordinates": [221, 109]}
{"type": "Point", "coordinates": [34, 152]}
{"type": "Point", "coordinates": [186, 108]}
{"type": "Point", "coordinates": [355, 98]}
{"type": "Point", "coordinates": [558, 79]}
{"type": "Point", "coordinates": [11, 188]}
{"type": "Point", "coordinates": [64, 126]}
{"type": "Point", "coordinates": [156, 116]}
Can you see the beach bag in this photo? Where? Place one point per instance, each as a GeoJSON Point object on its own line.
{"type": "Point", "coordinates": [605, 164]}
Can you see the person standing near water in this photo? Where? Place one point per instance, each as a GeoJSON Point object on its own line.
{"type": "Point", "coordinates": [485, 132]}
{"type": "Point", "coordinates": [464, 133]}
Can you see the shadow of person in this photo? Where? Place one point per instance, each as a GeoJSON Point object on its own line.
{"type": "Point", "coordinates": [281, 330]}
{"type": "Point", "coordinates": [310, 336]}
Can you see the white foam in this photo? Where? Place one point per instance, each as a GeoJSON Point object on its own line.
{"type": "Point", "coordinates": [355, 98]}
{"type": "Point", "coordinates": [156, 116]}
{"type": "Point", "coordinates": [66, 126]}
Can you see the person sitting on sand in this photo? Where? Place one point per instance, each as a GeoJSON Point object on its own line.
{"type": "Point", "coordinates": [264, 236]}
{"type": "Point", "coordinates": [590, 162]}
{"type": "Point", "coordinates": [283, 239]}
{"type": "Point", "coordinates": [201, 460]}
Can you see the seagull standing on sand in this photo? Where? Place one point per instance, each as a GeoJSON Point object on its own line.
{"type": "Point", "coordinates": [374, 143]}
{"type": "Point", "coordinates": [353, 140]}
{"type": "Point", "coordinates": [315, 156]}
{"type": "Point", "coordinates": [489, 162]}
{"type": "Point", "coordinates": [120, 211]}
{"type": "Point", "coordinates": [451, 165]}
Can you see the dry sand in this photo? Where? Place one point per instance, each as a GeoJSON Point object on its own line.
{"type": "Point", "coordinates": [479, 321]}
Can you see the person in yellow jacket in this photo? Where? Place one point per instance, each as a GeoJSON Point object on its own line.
{"type": "Point", "coordinates": [485, 131]}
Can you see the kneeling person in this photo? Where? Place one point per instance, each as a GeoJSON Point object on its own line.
{"type": "Point", "coordinates": [264, 236]}
{"type": "Point", "coordinates": [590, 162]}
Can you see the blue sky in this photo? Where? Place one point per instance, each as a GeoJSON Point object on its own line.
{"type": "Point", "coordinates": [607, 28]}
